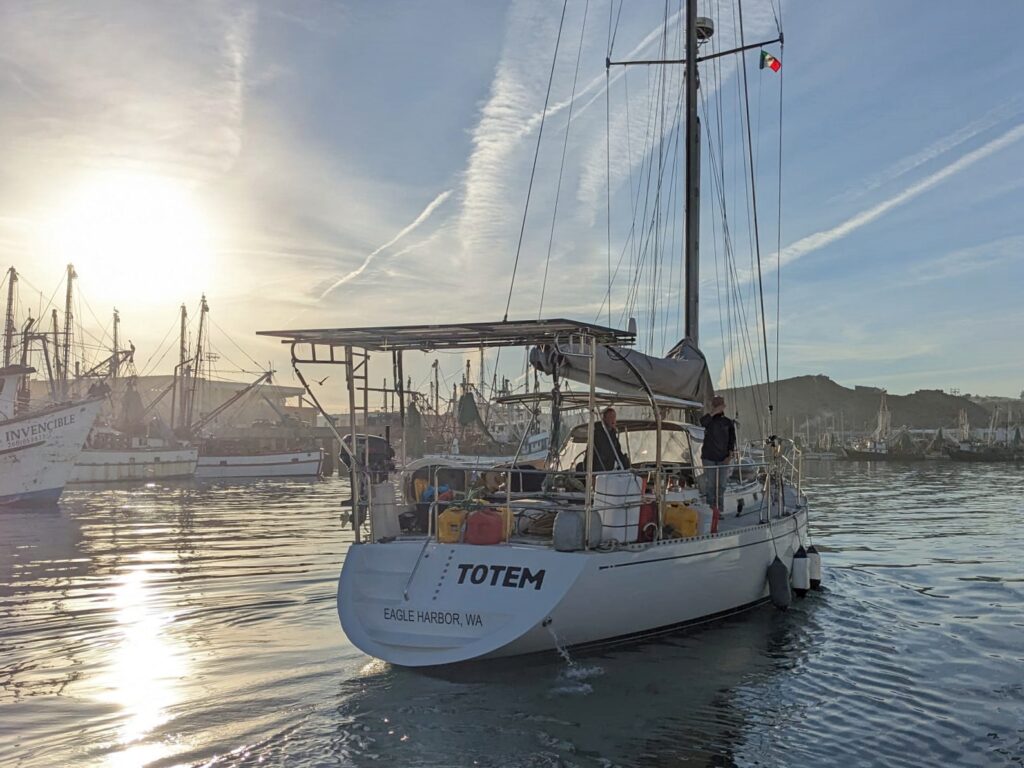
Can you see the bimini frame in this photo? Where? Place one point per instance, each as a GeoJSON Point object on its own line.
{"type": "Point", "coordinates": [351, 348]}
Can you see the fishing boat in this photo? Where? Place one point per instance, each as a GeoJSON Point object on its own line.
{"type": "Point", "coordinates": [511, 561]}
{"type": "Point", "coordinates": [39, 445]}
{"type": "Point", "coordinates": [119, 448]}
{"type": "Point", "coordinates": [991, 449]}
{"type": "Point", "coordinates": [885, 444]}
{"type": "Point", "coordinates": [113, 457]}
{"type": "Point", "coordinates": [38, 448]}
{"type": "Point", "coordinates": [271, 464]}
{"type": "Point", "coordinates": [223, 458]}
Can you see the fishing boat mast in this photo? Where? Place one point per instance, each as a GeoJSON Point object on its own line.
{"type": "Point", "coordinates": [65, 373]}
{"type": "Point", "coordinates": [115, 362]}
{"type": "Point", "coordinates": [196, 365]}
{"type": "Point", "coordinates": [9, 328]}
{"type": "Point", "coordinates": [180, 374]}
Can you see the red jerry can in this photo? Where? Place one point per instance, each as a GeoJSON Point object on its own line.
{"type": "Point", "coordinates": [648, 521]}
{"type": "Point", "coordinates": [485, 526]}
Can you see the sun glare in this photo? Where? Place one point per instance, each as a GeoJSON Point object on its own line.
{"type": "Point", "coordinates": [135, 237]}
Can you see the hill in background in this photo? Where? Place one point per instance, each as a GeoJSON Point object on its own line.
{"type": "Point", "coordinates": [825, 405]}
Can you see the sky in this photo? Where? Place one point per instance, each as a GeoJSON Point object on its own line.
{"type": "Point", "coordinates": [331, 164]}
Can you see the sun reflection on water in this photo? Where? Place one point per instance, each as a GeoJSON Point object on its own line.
{"type": "Point", "coordinates": [144, 671]}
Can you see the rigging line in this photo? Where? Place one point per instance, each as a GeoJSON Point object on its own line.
{"type": "Point", "coordinates": [714, 240]}
{"type": "Point", "coordinates": [778, 234]}
{"type": "Point", "coordinates": [49, 302]}
{"type": "Point", "coordinates": [613, 33]}
{"type": "Point", "coordinates": [735, 303]}
{"type": "Point", "coordinates": [638, 239]}
{"type": "Point", "coordinates": [747, 174]}
{"type": "Point", "coordinates": [561, 167]}
{"type": "Point", "coordinates": [228, 337]}
{"type": "Point", "coordinates": [166, 335]}
{"type": "Point", "coordinates": [732, 277]}
{"type": "Point", "coordinates": [757, 241]}
{"type": "Point", "coordinates": [653, 229]}
{"type": "Point", "coordinates": [641, 247]}
{"type": "Point", "coordinates": [778, 19]}
{"type": "Point", "coordinates": [665, 285]}
{"type": "Point", "coordinates": [671, 206]}
{"type": "Point", "coordinates": [657, 253]}
{"type": "Point", "coordinates": [536, 154]}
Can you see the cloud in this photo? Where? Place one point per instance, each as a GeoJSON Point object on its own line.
{"type": "Point", "coordinates": [132, 86]}
{"type": "Point", "coordinates": [819, 240]}
{"type": "Point", "coordinates": [424, 215]}
{"type": "Point", "coordinates": [966, 260]}
{"type": "Point", "coordinates": [939, 148]}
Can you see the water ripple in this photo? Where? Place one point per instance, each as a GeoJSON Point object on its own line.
{"type": "Point", "coordinates": [180, 625]}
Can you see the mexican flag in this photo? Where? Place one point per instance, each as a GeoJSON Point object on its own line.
{"type": "Point", "coordinates": [767, 60]}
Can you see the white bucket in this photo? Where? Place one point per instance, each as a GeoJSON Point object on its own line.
{"type": "Point", "coordinates": [706, 517]}
{"type": "Point", "coordinates": [617, 499]}
{"type": "Point", "coordinates": [384, 511]}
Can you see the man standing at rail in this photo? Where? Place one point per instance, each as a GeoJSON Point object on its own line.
{"type": "Point", "coordinates": [608, 453]}
{"type": "Point", "coordinates": [717, 453]}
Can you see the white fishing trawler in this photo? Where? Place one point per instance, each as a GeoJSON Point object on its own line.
{"type": "Point", "coordinates": [283, 464]}
{"type": "Point", "coordinates": [223, 459]}
{"type": "Point", "coordinates": [38, 448]}
{"type": "Point", "coordinates": [140, 459]}
{"type": "Point", "coordinates": [457, 563]}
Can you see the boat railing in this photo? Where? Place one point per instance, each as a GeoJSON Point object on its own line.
{"type": "Point", "coordinates": [517, 490]}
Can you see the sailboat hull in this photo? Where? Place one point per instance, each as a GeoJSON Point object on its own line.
{"type": "Point", "coordinates": [38, 451]}
{"type": "Point", "coordinates": [413, 603]}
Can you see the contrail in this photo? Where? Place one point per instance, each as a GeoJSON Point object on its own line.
{"type": "Point", "coordinates": [818, 240]}
{"type": "Point", "coordinates": [424, 215]}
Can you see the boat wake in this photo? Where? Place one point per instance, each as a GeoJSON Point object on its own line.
{"type": "Point", "coordinates": [572, 678]}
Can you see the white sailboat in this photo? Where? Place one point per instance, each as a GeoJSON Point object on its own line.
{"type": "Point", "coordinates": [581, 557]}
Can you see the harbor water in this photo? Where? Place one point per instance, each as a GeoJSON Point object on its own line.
{"type": "Point", "coordinates": [189, 625]}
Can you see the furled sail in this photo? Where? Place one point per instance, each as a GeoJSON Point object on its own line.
{"type": "Point", "coordinates": [682, 374]}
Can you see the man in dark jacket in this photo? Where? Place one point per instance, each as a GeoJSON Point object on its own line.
{"type": "Point", "coordinates": [717, 452]}
{"type": "Point", "coordinates": [608, 453]}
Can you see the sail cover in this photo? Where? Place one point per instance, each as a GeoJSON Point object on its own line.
{"type": "Point", "coordinates": [682, 374]}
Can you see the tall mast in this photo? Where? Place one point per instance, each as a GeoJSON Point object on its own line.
{"type": "Point", "coordinates": [59, 371]}
{"type": "Point", "coordinates": [9, 329]}
{"type": "Point", "coordinates": [692, 210]}
{"type": "Point", "coordinates": [197, 362]}
{"type": "Point", "coordinates": [183, 338]}
{"type": "Point", "coordinates": [114, 364]}
{"type": "Point", "coordinates": [68, 322]}
{"type": "Point", "coordinates": [698, 30]}
{"type": "Point", "coordinates": [437, 389]}
{"type": "Point", "coordinates": [181, 373]}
